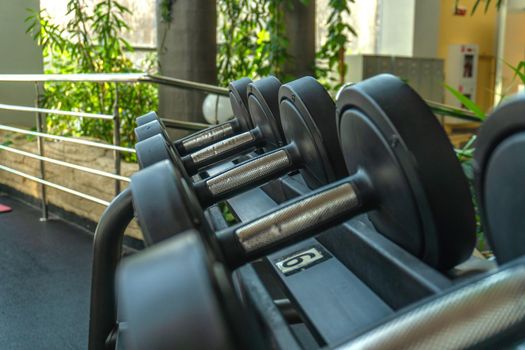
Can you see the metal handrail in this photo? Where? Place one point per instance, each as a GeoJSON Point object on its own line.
{"type": "Point", "coordinates": [56, 111]}
{"type": "Point", "coordinates": [67, 139]}
{"type": "Point", "coordinates": [54, 185]}
{"type": "Point", "coordinates": [66, 164]}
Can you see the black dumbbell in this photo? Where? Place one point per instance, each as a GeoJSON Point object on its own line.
{"type": "Point", "coordinates": [266, 133]}
{"type": "Point", "coordinates": [405, 176]}
{"type": "Point", "coordinates": [307, 117]}
{"type": "Point", "coordinates": [499, 167]}
{"type": "Point", "coordinates": [150, 124]}
{"type": "Point", "coordinates": [263, 111]}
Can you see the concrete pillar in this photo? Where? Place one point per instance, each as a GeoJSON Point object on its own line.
{"type": "Point", "coordinates": [409, 27]}
{"type": "Point", "coordinates": [187, 49]}
{"type": "Point", "coordinates": [20, 55]}
{"type": "Point", "coordinates": [300, 31]}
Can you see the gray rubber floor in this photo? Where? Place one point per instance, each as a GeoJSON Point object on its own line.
{"type": "Point", "coordinates": [45, 272]}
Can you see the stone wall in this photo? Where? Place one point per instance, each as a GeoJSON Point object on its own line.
{"type": "Point", "coordinates": [97, 186]}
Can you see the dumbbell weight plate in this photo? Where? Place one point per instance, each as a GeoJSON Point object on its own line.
{"type": "Point", "coordinates": [150, 124]}
{"type": "Point", "coordinates": [425, 200]}
{"type": "Point", "coordinates": [499, 167]}
{"type": "Point", "coordinates": [423, 206]}
{"type": "Point", "coordinates": [389, 174]}
{"type": "Point", "coordinates": [310, 145]}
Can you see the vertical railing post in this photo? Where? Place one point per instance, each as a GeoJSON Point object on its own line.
{"type": "Point", "coordinates": [116, 138]}
{"type": "Point", "coordinates": [41, 152]}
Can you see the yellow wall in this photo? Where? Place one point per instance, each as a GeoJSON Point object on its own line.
{"type": "Point", "coordinates": [480, 29]}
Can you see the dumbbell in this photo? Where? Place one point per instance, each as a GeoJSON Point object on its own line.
{"type": "Point", "coordinates": [307, 117]}
{"type": "Point", "coordinates": [150, 124]}
{"type": "Point", "coordinates": [263, 110]}
{"type": "Point", "coordinates": [266, 133]}
{"type": "Point", "coordinates": [405, 176]}
{"type": "Point", "coordinates": [499, 168]}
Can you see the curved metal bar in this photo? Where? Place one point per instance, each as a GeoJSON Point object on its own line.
{"type": "Point", "coordinates": [107, 250]}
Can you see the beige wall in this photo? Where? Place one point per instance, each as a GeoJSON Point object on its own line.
{"type": "Point", "coordinates": [19, 54]}
{"type": "Point", "coordinates": [480, 29]}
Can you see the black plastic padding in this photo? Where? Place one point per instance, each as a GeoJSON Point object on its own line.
{"type": "Point", "coordinates": [313, 101]}
{"type": "Point", "coordinates": [167, 295]}
{"type": "Point", "coordinates": [150, 129]}
{"type": "Point", "coordinates": [266, 91]}
{"type": "Point", "coordinates": [146, 118]}
{"type": "Point", "coordinates": [152, 150]}
{"type": "Point", "coordinates": [499, 165]}
{"type": "Point", "coordinates": [239, 101]}
{"type": "Point", "coordinates": [438, 186]}
{"type": "Point", "coordinates": [159, 202]}
{"type": "Point", "coordinates": [263, 104]}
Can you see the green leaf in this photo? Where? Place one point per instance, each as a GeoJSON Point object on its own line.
{"type": "Point", "coordinates": [467, 102]}
{"type": "Point", "coordinates": [519, 70]}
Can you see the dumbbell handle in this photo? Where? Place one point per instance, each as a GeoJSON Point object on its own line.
{"type": "Point", "coordinates": [246, 175]}
{"type": "Point", "coordinates": [297, 219]}
{"type": "Point", "coordinates": [221, 150]}
{"type": "Point", "coordinates": [206, 137]}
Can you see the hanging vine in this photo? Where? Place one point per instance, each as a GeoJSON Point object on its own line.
{"type": "Point", "coordinates": [331, 55]}
{"type": "Point", "coordinates": [252, 39]}
{"type": "Point", "coordinates": [253, 42]}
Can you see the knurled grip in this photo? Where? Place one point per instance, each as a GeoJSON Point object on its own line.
{"type": "Point", "coordinates": [207, 137]}
{"type": "Point", "coordinates": [252, 171]}
{"type": "Point", "coordinates": [283, 223]}
{"type": "Point", "coordinates": [461, 319]}
{"type": "Point", "coordinates": [222, 147]}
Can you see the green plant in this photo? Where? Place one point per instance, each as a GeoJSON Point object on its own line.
{"type": "Point", "coordinates": [331, 55]}
{"type": "Point", "coordinates": [91, 41]}
{"type": "Point", "coordinates": [254, 43]}
{"type": "Point", "coordinates": [487, 5]}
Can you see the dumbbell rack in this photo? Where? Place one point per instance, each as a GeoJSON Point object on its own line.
{"type": "Point", "coordinates": [354, 277]}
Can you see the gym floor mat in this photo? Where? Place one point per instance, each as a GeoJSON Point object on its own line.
{"type": "Point", "coordinates": [44, 281]}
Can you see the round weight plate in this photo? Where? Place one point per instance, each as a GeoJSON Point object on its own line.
{"type": "Point", "coordinates": [152, 150]}
{"type": "Point", "coordinates": [151, 129]}
{"type": "Point", "coordinates": [169, 300]}
{"type": "Point", "coordinates": [160, 203]}
{"type": "Point", "coordinates": [156, 149]}
{"type": "Point", "coordinates": [308, 120]}
{"type": "Point", "coordinates": [422, 196]}
{"type": "Point", "coordinates": [146, 118]}
{"type": "Point", "coordinates": [499, 167]}
{"type": "Point", "coordinates": [239, 102]}
{"type": "Point", "coordinates": [263, 104]}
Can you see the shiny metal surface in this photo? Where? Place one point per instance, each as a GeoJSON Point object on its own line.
{"type": "Point", "coordinates": [458, 320]}
{"type": "Point", "coordinates": [212, 134]}
{"type": "Point", "coordinates": [221, 147]}
{"type": "Point", "coordinates": [55, 111]}
{"type": "Point", "coordinates": [252, 171]}
{"type": "Point", "coordinates": [291, 219]}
